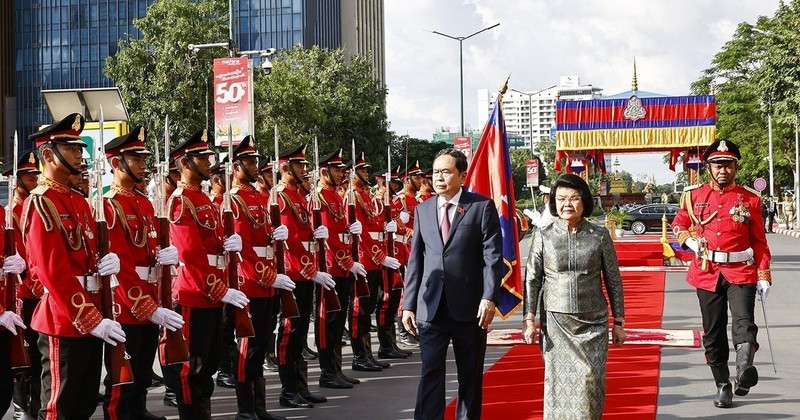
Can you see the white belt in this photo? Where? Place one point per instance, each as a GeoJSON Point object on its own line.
{"type": "Point", "coordinates": [401, 238]}
{"type": "Point", "coordinates": [722, 257]}
{"type": "Point", "coordinates": [215, 260]}
{"type": "Point", "coordinates": [264, 252]}
{"type": "Point", "coordinates": [310, 246]}
{"type": "Point", "coordinates": [346, 238]}
{"type": "Point", "coordinates": [148, 274]}
{"type": "Point", "coordinates": [378, 236]}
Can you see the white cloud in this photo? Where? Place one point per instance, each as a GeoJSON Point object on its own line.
{"type": "Point", "coordinates": [538, 41]}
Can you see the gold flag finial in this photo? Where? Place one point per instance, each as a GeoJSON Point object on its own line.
{"type": "Point", "coordinates": [76, 125]}
{"type": "Point", "coordinates": [504, 86]}
{"type": "Point", "coordinates": [634, 82]}
{"type": "Point", "coordinates": [141, 134]}
{"type": "Point", "coordinates": [204, 138]}
{"type": "Point", "coordinates": [31, 158]}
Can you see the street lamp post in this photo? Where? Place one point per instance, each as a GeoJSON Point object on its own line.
{"type": "Point", "coordinates": [771, 167]}
{"type": "Point", "coordinates": [461, 40]}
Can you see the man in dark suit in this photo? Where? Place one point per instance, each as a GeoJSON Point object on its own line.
{"type": "Point", "coordinates": [452, 283]}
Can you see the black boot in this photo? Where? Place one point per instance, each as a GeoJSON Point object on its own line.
{"type": "Point", "coordinates": [146, 415]}
{"type": "Point", "coordinates": [367, 339]}
{"type": "Point", "coordinates": [260, 400]}
{"type": "Point", "coordinates": [244, 401]}
{"type": "Point", "coordinates": [204, 409]}
{"type": "Point", "coordinates": [746, 373]}
{"type": "Point", "coordinates": [289, 382]}
{"type": "Point", "coordinates": [190, 411]}
{"type": "Point", "coordinates": [724, 397]}
{"type": "Point", "coordinates": [170, 399]}
{"type": "Point", "coordinates": [337, 360]}
{"type": "Point", "coordinates": [327, 365]}
{"type": "Point", "coordinates": [309, 354]}
{"type": "Point", "coordinates": [302, 384]}
{"type": "Point", "coordinates": [225, 380]}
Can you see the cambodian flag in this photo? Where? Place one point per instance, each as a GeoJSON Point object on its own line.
{"type": "Point", "coordinates": [489, 174]}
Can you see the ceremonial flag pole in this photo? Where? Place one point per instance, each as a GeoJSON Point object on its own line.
{"type": "Point", "coordinates": [489, 174]}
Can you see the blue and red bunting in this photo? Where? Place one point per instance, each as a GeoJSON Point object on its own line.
{"type": "Point", "coordinates": [660, 112]}
{"type": "Point", "coordinates": [489, 174]}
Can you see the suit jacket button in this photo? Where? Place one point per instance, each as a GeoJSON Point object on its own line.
{"type": "Point", "coordinates": [444, 255]}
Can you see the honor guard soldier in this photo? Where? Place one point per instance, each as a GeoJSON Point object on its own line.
{"type": "Point", "coordinates": [172, 179]}
{"type": "Point", "coordinates": [133, 236]}
{"type": "Point", "coordinates": [330, 326]}
{"type": "Point", "coordinates": [58, 228]}
{"type": "Point", "coordinates": [258, 280]}
{"type": "Point", "coordinates": [217, 183]}
{"type": "Point", "coordinates": [200, 289]}
{"type": "Point", "coordinates": [373, 250]}
{"type": "Point", "coordinates": [300, 267]}
{"type": "Point", "coordinates": [391, 287]}
{"type": "Point", "coordinates": [721, 222]}
{"type": "Point", "coordinates": [263, 186]}
{"type": "Point", "coordinates": [426, 189]}
{"type": "Point", "coordinates": [27, 386]}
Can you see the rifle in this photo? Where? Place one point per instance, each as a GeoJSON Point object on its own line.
{"type": "Point", "coordinates": [19, 352]}
{"type": "Point", "coordinates": [331, 298]}
{"type": "Point", "coordinates": [172, 345]}
{"type": "Point", "coordinates": [242, 321]}
{"type": "Point", "coordinates": [387, 218]}
{"type": "Point", "coordinates": [120, 367]}
{"type": "Point", "coordinates": [361, 285]}
{"type": "Point", "coordinates": [289, 307]}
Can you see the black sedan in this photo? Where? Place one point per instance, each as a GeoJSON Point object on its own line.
{"type": "Point", "coordinates": [648, 217]}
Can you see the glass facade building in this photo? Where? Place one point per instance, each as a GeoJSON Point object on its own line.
{"type": "Point", "coordinates": [63, 44]}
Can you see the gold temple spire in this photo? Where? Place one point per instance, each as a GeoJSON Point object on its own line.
{"type": "Point", "coordinates": [634, 82]}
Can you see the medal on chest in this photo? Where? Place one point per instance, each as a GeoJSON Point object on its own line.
{"type": "Point", "coordinates": [740, 213]}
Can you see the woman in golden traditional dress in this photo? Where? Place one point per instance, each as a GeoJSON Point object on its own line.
{"type": "Point", "coordinates": [570, 262]}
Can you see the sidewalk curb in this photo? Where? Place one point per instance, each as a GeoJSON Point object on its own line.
{"type": "Point", "coordinates": [788, 232]}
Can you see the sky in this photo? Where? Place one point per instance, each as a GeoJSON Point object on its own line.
{"type": "Point", "coordinates": [538, 41]}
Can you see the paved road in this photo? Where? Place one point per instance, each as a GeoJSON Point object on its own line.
{"type": "Point", "coordinates": [686, 388]}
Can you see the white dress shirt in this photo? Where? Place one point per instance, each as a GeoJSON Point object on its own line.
{"type": "Point", "coordinates": [451, 212]}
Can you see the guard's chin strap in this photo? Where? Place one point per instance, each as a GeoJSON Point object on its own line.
{"type": "Point", "coordinates": [72, 170]}
{"type": "Point", "coordinates": [265, 179]}
{"type": "Point", "coordinates": [297, 178]}
{"type": "Point", "coordinates": [171, 181]}
{"type": "Point", "coordinates": [330, 178]}
{"type": "Point", "coordinates": [195, 169]}
{"type": "Point", "coordinates": [250, 177]}
{"type": "Point", "coordinates": [22, 185]}
{"type": "Point", "coordinates": [128, 170]}
{"type": "Point", "coordinates": [414, 186]}
{"type": "Point", "coordinates": [363, 181]}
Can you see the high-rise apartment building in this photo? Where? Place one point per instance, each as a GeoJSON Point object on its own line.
{"type": "Point", "coordinates": [63, 44]}
{"type": "Point", "coordinates": [532, 114]}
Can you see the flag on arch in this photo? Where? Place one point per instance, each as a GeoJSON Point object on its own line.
{"type": "Point", "coordinates": [489, 174]}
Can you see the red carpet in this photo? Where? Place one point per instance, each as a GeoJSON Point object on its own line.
{"type": "Point", "coordinates": [513, 386]}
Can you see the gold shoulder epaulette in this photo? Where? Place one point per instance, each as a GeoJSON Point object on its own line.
{"type": "Point", "coordinates": [752, 191]}
{"type": "Point", "coordinates": [39, 190]}
{"type": "Point", "coordinates": [178, 192]}
{"type": "Point", "coordinates": [235, 190]}
{"type": "Point", "coordinates": [280, 187]}
{"type": "Point", "coordinates": [692, 187]}
{"type": "Point", "coordinates": [110, 193]}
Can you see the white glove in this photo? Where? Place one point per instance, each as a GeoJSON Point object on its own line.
{"type": "Point", "coordinates": [762, 288]}
{"type": "Point", "coordinates": [282, 281]}
{"type": "Point", "coordinates": [109, 331]}
{"type": "Point", "coordinates": [108, 266]}
{"type": "Point", "coordinates": [390, 227]}
{"type": "Point", "coordinates": [391, 262]}
{"type": "Point", "coordinates": [236, 298]}
{"type": "Point", "coordinates": [358, 269]}
{"type": "Point", "coordinates": [14, 264]}
{"type": "Point", "coordinates": [693, 243]}
{"type": "Point", "coordinates": [321, 232]}
{"type": "Point", "coordinates": [168, 256]}
{"type": "Point", "coordinates": [233, 243]}
{"type": "Point", "coordinates": [355, 228]}
{"type": "Point", "coordinates": [324, 279]}
{"type": "Point", "coordinates": [533, 215]}
{"type": "Point", "coordinates": [405, 217]}
{"type": "Point", "coordinates": [167, 318]}
{"type": "Point", "coordinates": [10, 321]}
{"type": "Point", "coordinates": [280, 233]}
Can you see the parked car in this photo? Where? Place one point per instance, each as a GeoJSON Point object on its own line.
{"type": "Point", "coordinates": [648, 217]}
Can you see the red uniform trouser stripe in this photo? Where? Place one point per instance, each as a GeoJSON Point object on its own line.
{"type": "Point", "coordinates": [384, 303]}
{"type": "Point", "coordinates": [55, 379]}
{"type": "Point", "coordinates": [355, 326]}
{"type": "Point", "coordinates": [113, 403]}
{"type": "Point", "coordinates": [186, 390]}
{"type": "Point", "coordinates": [241, 363]}
{"type": "Point", "coordinates": [322, 320]}
{"type": "Point", "coordinates": [283, 344]}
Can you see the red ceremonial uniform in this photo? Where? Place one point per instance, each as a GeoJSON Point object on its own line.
{"type": "Point", "coordinates": [402, 237]}
{"type": "Point", "coordinates": [132, 236]}
{"type": "Point", "coordinates": [372, 247]}
{"type": "Point", "coordinates": [251, 222]}
{"type": "Point", "coordinates": [197, 232]}
{"type": "Point", "coordinates": [59, 228]}
{"type": "Point", "coordinates": [334, 216]}
{"type": "Point", "coordinates": [730, 221]}
{"type": "Point", "coordinates": [295, 215]}
{"type": "Point", "coordinates": [31, 287]}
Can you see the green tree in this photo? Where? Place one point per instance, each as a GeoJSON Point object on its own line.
{"type": "Point", "coordinates": [317, 92]}
{"type": "Point", "coordinates": [418, 149]}
{"type": "Point", "coordinates": [158, 75]}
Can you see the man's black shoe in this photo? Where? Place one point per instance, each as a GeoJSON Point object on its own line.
{"type": "Point", "coordinates": [294, 401]}
{"type": "Point", "coordinates": [335, 382]}
{"type": "Point", "coordinates": [346, 378]}
{"type": "Point", "coordinates": [225, 380]}
{"type": "Point", "coordinates": [724, 398]}
{"type": "Point", "coordinates": [313, 398]}
{"type": "Point", "coordinates": [408, 340]}
{"type": "Point", "coordinates": [170, 400]}
{"type": "Point", "coordinates": [383, 365]}
{"type": "Point", "coordinates": [155, 380]}
{"type": "Point", "coordinates": [391, 353]}
{"type": "Point", "coordinates": [365, 365]}
{"type": "Point", "coordinates": [270, 365]}
{"type": "Point", "coordinates": [150, 416]}
{"type": "Point", "coordinates": [404, 351]}
{"type": "Point", "coordinates": [309, 354]}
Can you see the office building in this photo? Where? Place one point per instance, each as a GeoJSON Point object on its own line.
{"type": "Point", "coordinates": [531, 115]}
{"type": "Point", "coordinates": [63, 44]}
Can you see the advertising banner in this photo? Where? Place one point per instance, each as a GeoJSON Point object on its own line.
{"type": "Point", "coordinates": [532, 173]}
{"type": "Point", "coordinates": [233, 99]}
{"type": "Point", "coordinates": [464, 145]}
